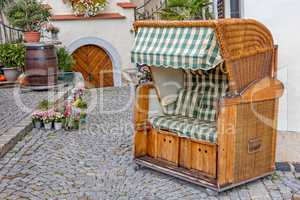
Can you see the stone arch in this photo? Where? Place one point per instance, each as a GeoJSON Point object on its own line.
{"type": "Point", "coordinates": [108, 48]}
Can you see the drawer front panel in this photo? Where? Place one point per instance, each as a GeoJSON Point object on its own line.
{"type": "Point", "coordinates": [168, 147]}
{"type": "Point", "coordinates": [203, 158]}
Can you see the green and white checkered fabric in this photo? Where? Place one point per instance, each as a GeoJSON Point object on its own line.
{"type": "Point", "coordinates": [186, 127]}
{"type": "Point", "coordinates": [201, 93]}
{"type": "Point", "coordinates": [186, 47]}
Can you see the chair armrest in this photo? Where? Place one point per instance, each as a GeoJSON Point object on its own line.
{"type": "Point", "coordinates": [141, 106]}
{"type": "Point", "coordinates": [265, 89]}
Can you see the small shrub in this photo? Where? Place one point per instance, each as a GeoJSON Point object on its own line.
{"type": "Point", "coordinates": [65, 60]}
{"type": "Point", "coordinates": [28, 15]}
{"type": "Point", "coordinates": [12, 55]}
{"type": "Point", "coordinates": [45, 105]}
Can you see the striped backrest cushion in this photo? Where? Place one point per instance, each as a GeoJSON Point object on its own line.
{"type": "Point", "coordinates": [201, 92]}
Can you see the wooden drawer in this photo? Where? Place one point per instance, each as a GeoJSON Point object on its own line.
{"type": "Point", "coordinates": [167, 147]}
{"type": "Point", "coordinates": [204, 158]}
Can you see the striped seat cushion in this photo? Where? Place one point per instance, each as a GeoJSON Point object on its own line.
{"type": "Point", "coordinates": [201, 93]}
{"type": "Point", "coordinates": [186, 127]}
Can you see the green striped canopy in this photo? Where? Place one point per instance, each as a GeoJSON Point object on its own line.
{"type": "Point", "coordinates": [185, 47]}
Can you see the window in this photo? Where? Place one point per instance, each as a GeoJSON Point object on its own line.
{"type": "Point", "coordinates": [229, 8]}
{"type": "Point", "coordinates": [221, 9]}
{"type": "Point", "coordinates": [235, 9]}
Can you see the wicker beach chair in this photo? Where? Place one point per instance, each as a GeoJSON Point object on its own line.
{"type": "Point", "coordinates": [210, 115]}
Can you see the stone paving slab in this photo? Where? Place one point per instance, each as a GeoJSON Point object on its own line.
{"type": "Point", "coordinates": [15, 105]}
{"type": "Point", "coordinates": [96, 163]}
{"type": "Point", "coordinates": [19, 123]}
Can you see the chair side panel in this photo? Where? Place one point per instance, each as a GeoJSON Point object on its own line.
{"type": "Point", "coordinates": [254, 140]}
{"type": "Point", "coordinates": [246, 70]}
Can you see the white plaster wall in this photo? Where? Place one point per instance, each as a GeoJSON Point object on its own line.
{"type": "Point", "coordinates": [282, 17]}
{"type": "Point", "coordinates": [117, 32]}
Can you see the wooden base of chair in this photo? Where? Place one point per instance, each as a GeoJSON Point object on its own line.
{"type": "Point", "coordinates": [188, 175]}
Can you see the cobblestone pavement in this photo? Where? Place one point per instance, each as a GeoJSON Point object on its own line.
{"type": "Point", "coordinates": [15, 105]}
{"type": "Point", "coordinates": [96, 163]}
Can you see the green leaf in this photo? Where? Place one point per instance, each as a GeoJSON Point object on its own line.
{"type": "Point", "coordinates": [28, 15]}
{"type": "Point", "coordinates": [12, 55]}
{"type": "Point", "coordinates": [186, 10]}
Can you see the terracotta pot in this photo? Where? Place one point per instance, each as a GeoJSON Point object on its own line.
{"type": "Point", "coordinates": [30, 37]}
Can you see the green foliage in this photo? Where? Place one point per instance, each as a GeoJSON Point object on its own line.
{"type": "Point", "coordinates": [12, 55]}
{"type": "Point", "coordinates": [45, 105]}
{"type": "Point", "coordinates": [83, 115]}
{"type": "Point", "coordinates": [4, 3]}
{"type": "Point", "coordinates": [186, 10]}
{"type": "Point", "coordinates": [80, 103]}
{"type": "Point", "coordinates": [28, 15]}
{"type": "Point", "coordinates": [275, 176]}
{"type": "Point", "coordinates": [65, 60]}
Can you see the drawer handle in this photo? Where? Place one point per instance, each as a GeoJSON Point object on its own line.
{"type": "Point", "coordinates": [254, 145]}
{"type": "Point", "coordinates": [170, 141]}
{"type": "Point", "coordinates": [165, 139]}
{"type": "Point", "coordinates": [199, 150]}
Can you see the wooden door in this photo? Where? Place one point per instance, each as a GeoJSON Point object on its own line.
{"type": "Point", "coordinates": [95, 66]}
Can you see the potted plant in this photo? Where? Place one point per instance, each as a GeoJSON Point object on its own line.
{"type": "Point", "coordinates": [12, 56]}
{"type": "Point", "coordinates": [83, 117]}
{"type": "Point", "coordinates": [65, 64]}
{"type": "Point", "coordinates": [67, 115]}
{"type": "Point", "coordinates": [37, 119]}
{"type": "Point", "coordinates": [80, 103]}
{"type": "Point", "coordinates": [75, 123]}
{"type": "Point", "coordinates": [58, 121]}
{"type": "Point", "coordinates": [53, 30]}
{"type": "Point", "coordinates": [78, 92]}
{"type": "Point", "coordinates": [28, 15]}
{"type": "Point", "coordinates": [65, 60]}
{"type": "Point", "coordinates": [45, 105]}
{"type": "Point", "coordinates": [48, 118]}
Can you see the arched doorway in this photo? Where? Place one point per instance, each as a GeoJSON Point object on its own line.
{"type": "Point", "coordinates": [95, 65]}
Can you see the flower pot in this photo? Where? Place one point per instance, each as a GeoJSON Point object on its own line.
{"type": "Point", "coordinates": [11, 73]}
{"type": "Point", "coordinates": [31, 37]}
{"type": "Point", "coordinates": [37, 124]}
{"type": "Point", "coordinates": [57, 125]}
{"type": "Point", "coordinates": [76, 124]}
{"type": "Point", "coordinates": [66, 77]}
{"type": "Point", "coordinates": [54, 36]}
{"type": "Point", "coordinates": [82, 120]}
{"type": "Point", "coordinates": [48, 126]}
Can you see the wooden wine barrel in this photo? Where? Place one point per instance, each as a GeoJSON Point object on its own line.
{"type": "Point", "coordinates": [40, 64]}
